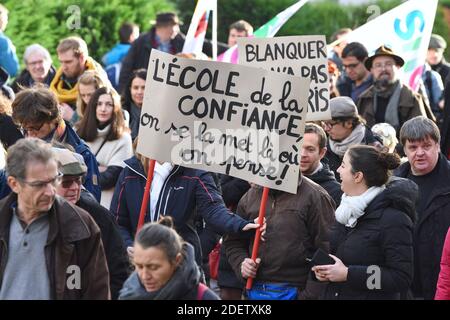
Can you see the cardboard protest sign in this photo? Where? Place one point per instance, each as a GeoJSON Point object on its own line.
{"type": "Point", "coordinates": [304, 56]}
{"type": "Point", "coordinates": [231, 119]}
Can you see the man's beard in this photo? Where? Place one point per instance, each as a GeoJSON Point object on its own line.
{"type": "Point", "coordinates": [383, 83]}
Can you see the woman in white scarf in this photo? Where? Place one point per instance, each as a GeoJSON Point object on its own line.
{"type": "Point", "coordinates": [364, 173]}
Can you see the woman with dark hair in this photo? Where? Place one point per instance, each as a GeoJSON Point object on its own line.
{"type": "Point", "coordinates": [103, 128]}
{"type": "Point", "coordinates": [165, 267]}
{"type": "Point", "coordinates": [133, 98]}
{"type": "Point", "coordinates": [371, 242]}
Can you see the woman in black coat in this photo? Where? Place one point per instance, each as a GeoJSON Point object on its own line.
{"type": "Point", "coordinates": [372, 239]}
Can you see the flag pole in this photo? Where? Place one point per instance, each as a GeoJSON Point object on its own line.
{"type": "Point", "coordinates": [262, 213]}
{"type": "Point", "coordinates": [146, 198]}
{"type": "Point", "coordinates": [214, 33]}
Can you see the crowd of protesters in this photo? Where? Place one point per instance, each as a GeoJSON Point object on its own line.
{"type": "Point", "coordinates": [373, 196]}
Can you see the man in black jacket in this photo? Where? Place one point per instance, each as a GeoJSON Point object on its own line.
{"type": "Point", "coordinates": [38, 68]}
{"type": "Point", "coordinates": [313, 150]}
{"type": "Point", "coordinates": [164, 36]}
{"type": "Point", "coordinates": [72, 166]}
{"type": "Point", "coordinates": [430, 170]}
{"type": "Point", "coordinates": [435, 56]}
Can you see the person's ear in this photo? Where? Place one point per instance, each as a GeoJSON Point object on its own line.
{"type": "Point", "coordinates": [322, 152]}
{"type": "Point", "coordinates": [13, 183]}
{"type": "Point", "coordinates": [359, 176]}
{"type": "Point", "coordinates": [347, 124]}
{"type": "Point", "coordinates": [178, 259]}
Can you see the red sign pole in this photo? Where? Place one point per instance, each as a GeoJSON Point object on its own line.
{"type": "Point", "coordinates": [145, 200]}
{"type": "Point", "coordinates": [262, 213]}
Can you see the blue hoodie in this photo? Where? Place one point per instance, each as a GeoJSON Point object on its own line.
{"type": "Point", "coordinates": [116, 54]}
{"type": "Point", "coordinates": [8, 57]}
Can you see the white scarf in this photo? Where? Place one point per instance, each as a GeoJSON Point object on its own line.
{"type": "Point", "coordinates": [160, 175]}
{"type": "Point", "coordinates": [352, 207]}
{"type": "Point", "coordinates": [357, 135]}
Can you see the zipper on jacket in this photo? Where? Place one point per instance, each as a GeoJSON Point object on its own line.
{"type": "Point", "coordinates": [167, 200]}
{"type": "Point", "coordinates": [161, 195]}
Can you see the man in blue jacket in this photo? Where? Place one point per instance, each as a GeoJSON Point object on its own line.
{"type": "Point", "coordinates": [8, 57]}
{"type": "Point", "coordinates": [36, 111]}
{"type": "Point", "coordinates": [112, 60]}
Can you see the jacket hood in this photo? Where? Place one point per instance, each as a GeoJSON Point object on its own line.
{"type": "Point", "coordinates": [183, 281]}
{"type": "Point", "coordinates": [324, 175]}
{"type": "Point", "coordinates": [401, 194]}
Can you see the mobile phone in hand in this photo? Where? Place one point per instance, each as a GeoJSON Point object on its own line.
{"type": "Point", "coordinates": [321, 258]}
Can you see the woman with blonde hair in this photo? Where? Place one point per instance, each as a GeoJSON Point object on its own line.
{"type": "Point", "coordinates": [89, 81]}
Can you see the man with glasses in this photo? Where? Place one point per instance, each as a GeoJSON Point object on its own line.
{"type": "Point", "coordinates": [345, 129]}
{"type": "Point", "coordinates": [73, 170]}
{"type": "Point", "coordinates": [49, 248]}
{"type": "Point", "coordinates": [36, 111]}
{"type": "Point", "coordinates": [388, 100]}
{"type": "Point", "coordinates": [38, 68]}
{"type": "Point", "coordinates": [357, 78]}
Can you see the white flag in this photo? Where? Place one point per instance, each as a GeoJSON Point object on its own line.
{"type": "Point", "coordinates": [407, 30]}
{"type": "Point", "coordinates": [197, 29]}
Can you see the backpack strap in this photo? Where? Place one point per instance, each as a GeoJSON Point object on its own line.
{"type": "Point", "coordinates": [202, 288]}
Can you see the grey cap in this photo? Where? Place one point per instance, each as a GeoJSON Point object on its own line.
{"type": "Point", "coordinates": [69, 163]}
{"type": "Point", "coordinates": [343, 107]}
{"type": "Point", "coordinates": [437, 42]}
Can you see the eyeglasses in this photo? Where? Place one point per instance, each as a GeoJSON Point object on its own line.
{"type": "Point", "coordinates": [42, 184]}
{"type": "Point", "coordinates": [67, 182]}
{"type": "Point", "coordinates": [387, 65]}
{"type": "Point", "coordinates": [37, 128]}
{"type": "Point", "coordinates": [352, 65]}
{"type": "Point", "coordinates": [35, 63]}
{"type": "Point", "coordinates": [329, 124]}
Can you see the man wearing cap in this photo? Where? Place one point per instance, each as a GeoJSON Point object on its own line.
{"type": "Point", "coordinates": [435, 56]}
{"type": "Point", "coordinates": [345, 129]}
{"type": "Point", "coordinates": [388, 100]}
{"type": "Point", "coordinates": [164, 36]}
{"type": "Point", "coordinates": [49, 248]}
{"type": "Point", "coordinates": [71, 166]}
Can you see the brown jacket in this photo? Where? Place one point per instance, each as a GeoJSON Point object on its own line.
{"type": "Point", "coordinates": [297, 224]}
{"type": "Point", "coordinates": [410, 105]}
{"type": "Point", "coordinates": [73, 240]}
